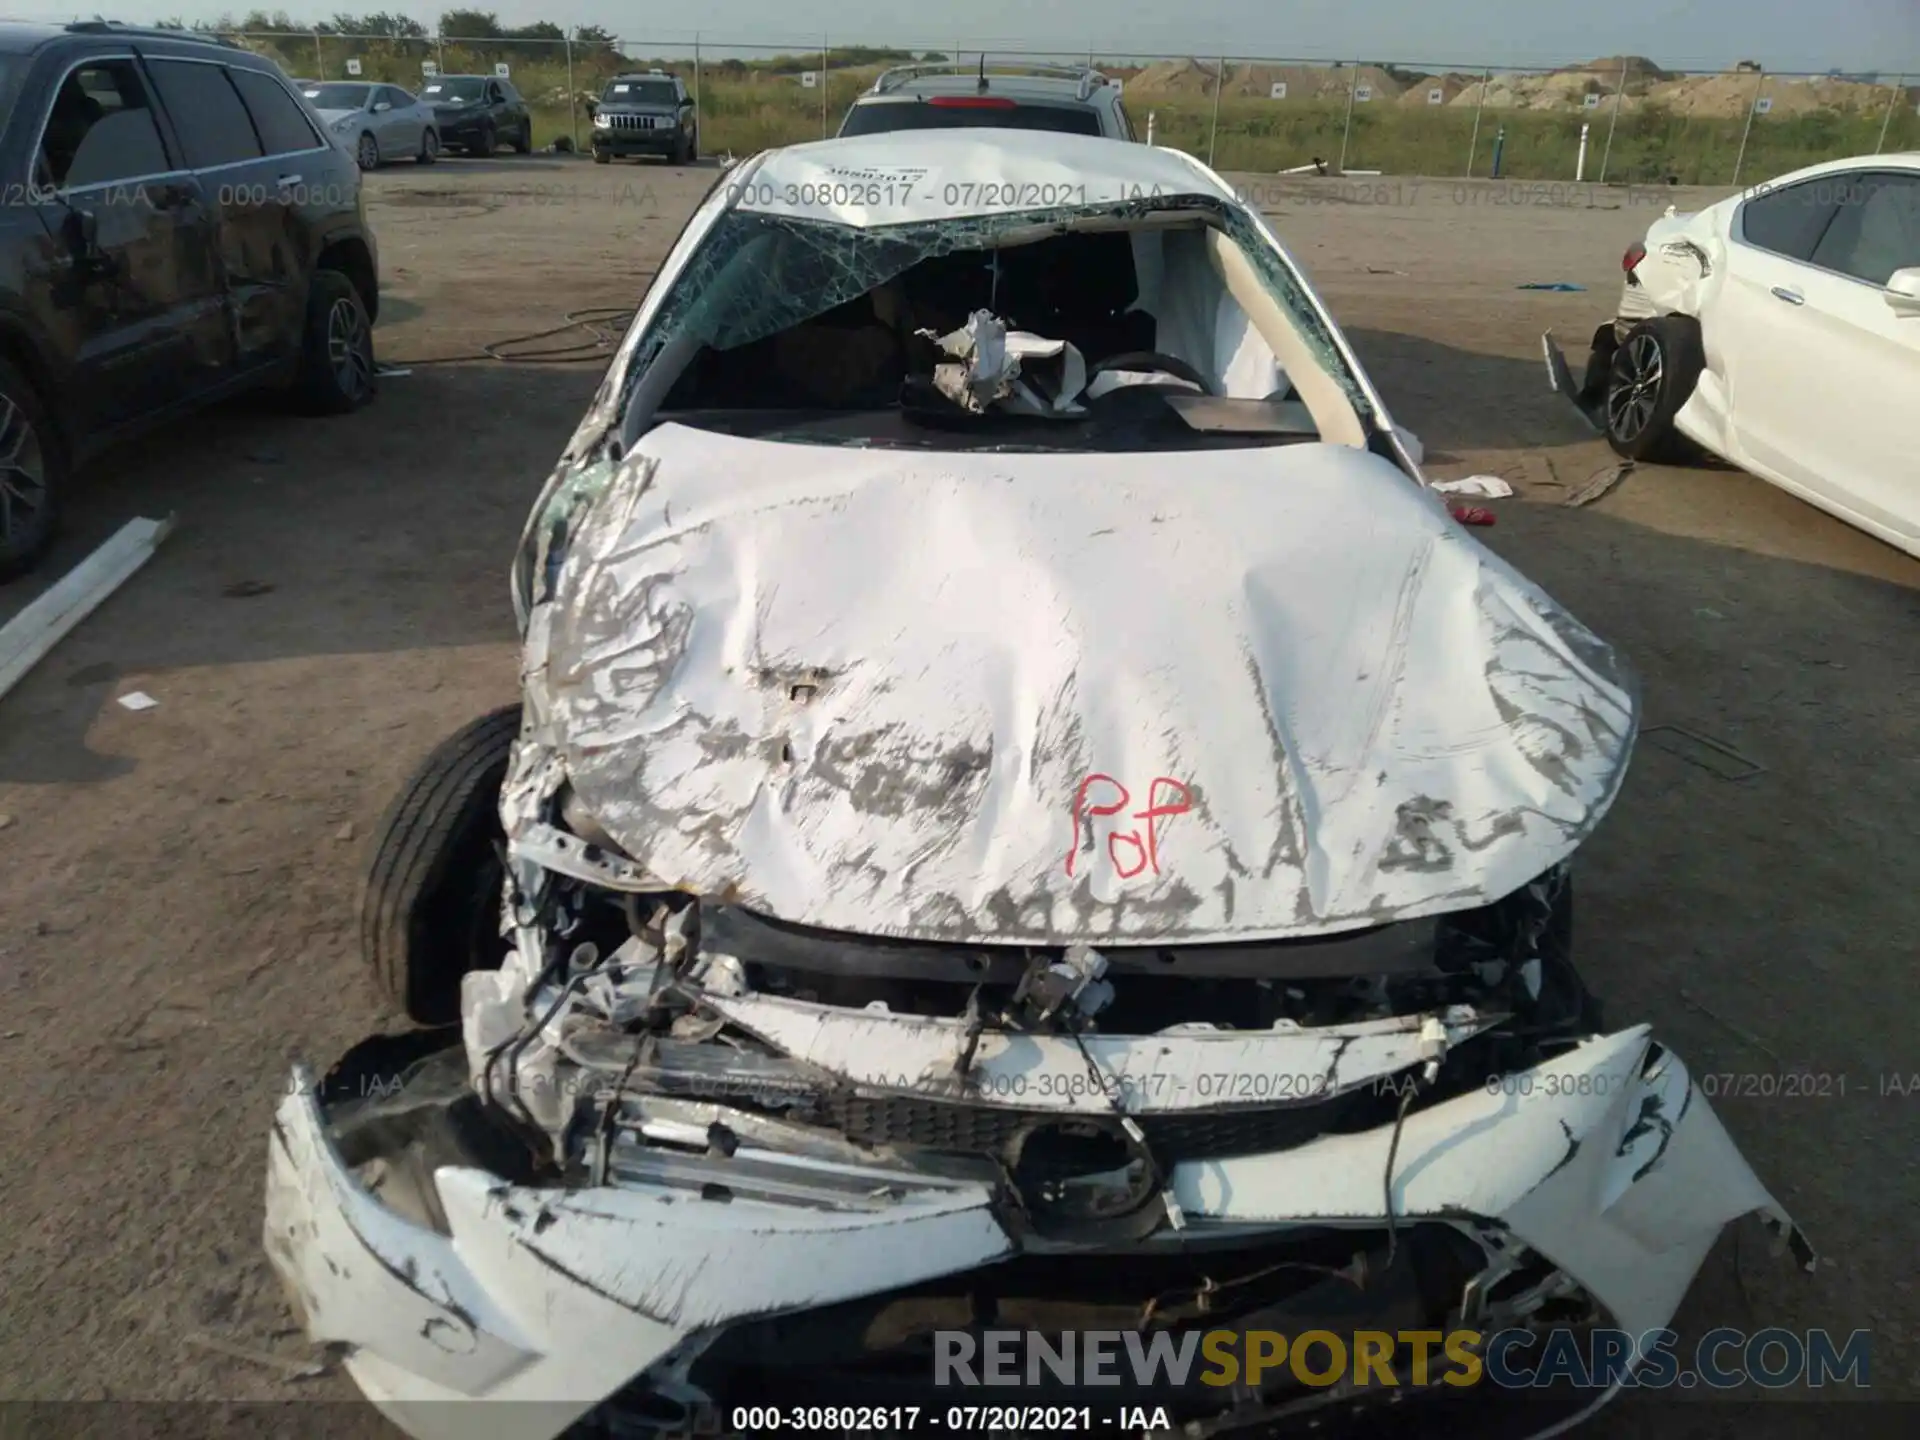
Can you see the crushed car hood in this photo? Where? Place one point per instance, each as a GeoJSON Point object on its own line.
{"type": "Point", "coordinates": [1036, 698]}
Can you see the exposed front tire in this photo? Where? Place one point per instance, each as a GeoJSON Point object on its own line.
{"type": "Point", "coordinates": [485, 144]}
{"type": "Point", "coordinates": [601, 157]}
{"type": "Point", "coordinates": [523, 142]}
{"type": "Point", "coordinates": [1649, 378]}
{"type": "Point", "coordinates": [367, 152]}
{"type": "Point", "coordinates": [336, 351]}
{"type": "Point", "coordinates": [33, 474]}
{"type": "Point", "coordinates": [430, 908]}
{"type": "Point", "coordinates": [429, 147]}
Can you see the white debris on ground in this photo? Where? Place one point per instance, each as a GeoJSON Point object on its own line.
{"type": "Point", "coordinates": [1486, 487]}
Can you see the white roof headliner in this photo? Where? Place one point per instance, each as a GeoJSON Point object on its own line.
{"type": "Point", "coordinates": [903, 176]}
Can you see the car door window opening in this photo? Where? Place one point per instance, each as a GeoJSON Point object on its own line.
{"type": "Point", "coordinates": [282, 126]}
{"type": "Point", "coordinates": [1875, 232]}
{"type": "Point", "coordinates": [207, 112]}
{"type": "Point", "coordinates": [101, 129]}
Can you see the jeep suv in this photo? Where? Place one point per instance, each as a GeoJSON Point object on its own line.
{"type": "Point", "coordinates": [649, 114]}
{"type": "Point", "coordinates": [1007, 97]}
{"type": "Point", "coordinates": [178, 229]}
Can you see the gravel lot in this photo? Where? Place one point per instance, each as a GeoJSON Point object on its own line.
{"type": "Point", "coordinates": [177, 899]}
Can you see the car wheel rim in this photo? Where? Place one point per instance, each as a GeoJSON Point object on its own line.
{"type": "Point", "coordinates": [347, 348]}
{"type": "Point", "coordinates": [23, 476]}
{"type": "Point", "coordinates": [1638, 370]}
{"type": "Point", "coordinates": [368, 155]}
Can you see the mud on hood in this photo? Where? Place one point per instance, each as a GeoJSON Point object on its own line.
{"type": "Point", "coordinates": [1032, 698]}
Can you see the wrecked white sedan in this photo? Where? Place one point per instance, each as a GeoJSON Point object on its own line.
{"type": "Point", "coordinates": [1780, 330]}
{"type": "Point", "coordinates": [1026, 811]}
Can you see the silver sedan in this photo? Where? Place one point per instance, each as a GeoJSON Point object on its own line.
{"type": "Point", "coordinates": [377, 122]}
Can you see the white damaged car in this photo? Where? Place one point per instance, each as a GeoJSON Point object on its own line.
{"type": "Point", "coordinates": [1026, 810]}
{"type": "Point", "coordinates": [1780, 330]}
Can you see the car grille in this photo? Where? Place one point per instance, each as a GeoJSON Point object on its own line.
{"type": "Point", "coordinates": [903, 1120]}
{"type": "Point", "coordinates": [638, 122]}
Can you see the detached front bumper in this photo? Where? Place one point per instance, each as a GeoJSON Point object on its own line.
{"type": "Point", "coordinates": [1608, 1162]}
{"type": "Point", "coordinates": [1589, 394]}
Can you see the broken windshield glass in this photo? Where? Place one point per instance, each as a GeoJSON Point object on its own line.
{"type": "Point", "coordinates": [759, 274]}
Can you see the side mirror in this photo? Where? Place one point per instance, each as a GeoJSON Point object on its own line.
{"type": "Point", "coordinates": [1903, 291]}
{"type": "Point", "coordinates": [381, 106]}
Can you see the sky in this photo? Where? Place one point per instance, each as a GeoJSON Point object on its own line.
{"type": "Point", "coordinates": [1785, 35]}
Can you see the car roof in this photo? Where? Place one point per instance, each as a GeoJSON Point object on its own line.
{"type": "Point", "coordinates": [17, 36]}
{"type": "Point", "coordinates": [21, 36]}
{"type": "Point", "coordinates": [904, 176]}
{"type": "Point", "coordinates": [1053, 89]}
{"type": "Point", "coordinates": [1895, 160]}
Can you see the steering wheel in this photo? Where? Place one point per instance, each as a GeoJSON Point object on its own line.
{"type": "Point", "coordinates": [1150, 360]}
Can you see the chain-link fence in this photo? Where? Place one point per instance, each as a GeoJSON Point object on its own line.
{"type": "Point", "coordinates": [1613, 120]}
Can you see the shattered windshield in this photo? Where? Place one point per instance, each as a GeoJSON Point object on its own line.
{"type": "Point", "coordinates": [759, 274]}
{"type": "Point", "coordinates": [758, 280]}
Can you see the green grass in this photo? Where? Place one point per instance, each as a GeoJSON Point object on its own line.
{"type": "Point", "coordinates": [747, 108]}
{"type": "Point", "coordinates": [1648, 145]}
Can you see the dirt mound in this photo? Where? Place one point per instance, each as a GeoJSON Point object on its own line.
{"type": "Point", "coordinates": [1194, 79]}
{"type": "Point", "coordinates": [1420, 92]}
{"type": "Point", "coordinates": [1729, 95]}
{"type": "Point", "coordinates": [1637, 67]}
{"type": "Point", "coordinates": [1723, 96]}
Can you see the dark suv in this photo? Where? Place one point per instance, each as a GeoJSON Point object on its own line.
{"type": "Point", "coordinates": [649, 114]}
{"type": "Point", "coordinates": [175, 229]}
{"type": "Point", "coordinates": [479, 113]}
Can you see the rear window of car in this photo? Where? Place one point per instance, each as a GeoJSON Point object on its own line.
{"type": "Point", "coordinates": [879, 116]}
